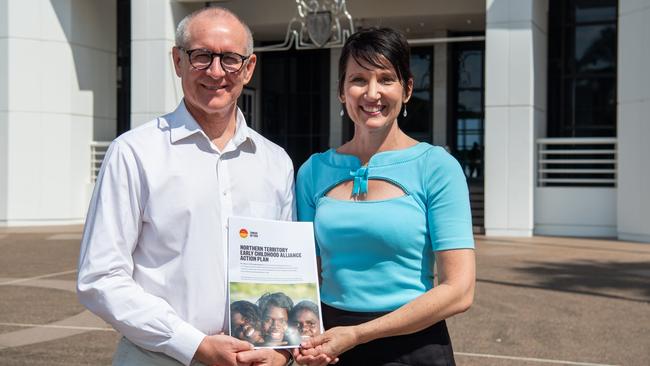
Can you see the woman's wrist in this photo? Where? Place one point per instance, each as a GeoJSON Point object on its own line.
{"type": "Point", "coordinates": [362, 333]}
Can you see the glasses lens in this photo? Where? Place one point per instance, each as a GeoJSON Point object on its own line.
{"type": "Point", "coordinates": [231, 62]}
{"type": "Point", "coordinates": [201, 59]}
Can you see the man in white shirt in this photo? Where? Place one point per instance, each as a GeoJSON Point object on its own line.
{"type": "Point", "coordinates": [153, 254]}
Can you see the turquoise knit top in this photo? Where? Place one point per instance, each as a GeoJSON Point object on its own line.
{"type": "Point", "coordinates": [379, 255]}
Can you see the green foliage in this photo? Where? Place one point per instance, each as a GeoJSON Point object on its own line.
{"type": "Point", "coordinates": [252, 291]}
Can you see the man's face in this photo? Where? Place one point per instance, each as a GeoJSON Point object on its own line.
{"type": "Point", "coordinates": [274, 324]}
{"type": "Point", "coordinates": [307, 323]}
{"type": "Point", "coordinates": [212, 92]}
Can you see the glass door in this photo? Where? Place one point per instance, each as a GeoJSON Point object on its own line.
{"type": "Point", "coordinates": [467, 120]}
{"type": "Point", "coordinates": [295, 101]}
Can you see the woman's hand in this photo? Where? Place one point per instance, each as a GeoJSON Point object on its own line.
{"type": "Point", "coordinates": [263, 357]}
{"type": "Point", "coordinates": [319, 360]}
{"type": "Point", "coordinates": [332, 343]}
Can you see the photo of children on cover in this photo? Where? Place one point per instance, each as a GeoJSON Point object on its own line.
{"type": "Point", "coordinates": [277, 316]}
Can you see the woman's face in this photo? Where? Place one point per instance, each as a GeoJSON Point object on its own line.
{"type": "Point", "coordinates": [307, 323]}
{"type": "Point", "coordinates": [373, 96]}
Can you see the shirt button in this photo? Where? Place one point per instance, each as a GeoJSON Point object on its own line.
{"type": "Point", "coordinates": [225, 193]}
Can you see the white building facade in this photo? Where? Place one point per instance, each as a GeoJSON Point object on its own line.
{"type": "Point", "coordinates": [548, 117]}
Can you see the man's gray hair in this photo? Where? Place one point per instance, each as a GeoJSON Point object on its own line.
{"type": "Point", "coordinates": [182, 37]}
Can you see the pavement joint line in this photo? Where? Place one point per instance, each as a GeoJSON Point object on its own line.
{"type": "Point", "coordinates": [20, 280]}
{"type": "Point", "coordinates": [538, 244]}
{"type": "Point", "coordinates": [531, 359]}
{"type": "Point", "coordinates": [23, 325]}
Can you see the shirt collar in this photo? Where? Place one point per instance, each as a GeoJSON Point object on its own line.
{"type": "Point", "coordinates": [183, 125]}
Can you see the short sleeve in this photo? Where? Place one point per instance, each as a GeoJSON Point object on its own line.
{"type": "Point", "coordinates": [305, 204]}
{"type": "Point", "coordinates": [304, 192]}
{"type": "Point", "coordinates": [448, 209]}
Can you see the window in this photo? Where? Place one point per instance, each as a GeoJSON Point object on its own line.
{"type": "Point", "coordinates": [582, 68]}
{"type": "Point", "coordinates": [295, 101]}
{"type": "Point", "coordinates": [467, 117]}
{"type": "Point", "coordinates": [419, 120]}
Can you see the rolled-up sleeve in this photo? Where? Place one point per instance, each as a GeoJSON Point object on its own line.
{"type": "Point", "coordinates": [105, 282]}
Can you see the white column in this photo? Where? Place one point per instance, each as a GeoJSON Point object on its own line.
{"type": "Point", "coordinates": [633, 127]}
{"type": "Point", "coordinates": [440, 63]}
{"type": "Point", "coordinates": [4, 108]}
{"type": "Point", "coordinates": [155, 89]}
{"type": "Point", "coordinates": [58, 93]}
{"type": "Point", "coordinates": [515, 107]}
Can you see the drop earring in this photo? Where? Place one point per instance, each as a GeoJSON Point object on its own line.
{"type": "Point", "coordinates": [342, 113]}
{"type": "Point", "coordinates": [405, 113]}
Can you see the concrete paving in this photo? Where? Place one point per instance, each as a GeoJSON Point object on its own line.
{"type": "Point", "coordinates": [540, 300]}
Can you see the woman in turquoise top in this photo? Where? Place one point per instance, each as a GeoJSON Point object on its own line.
{"type": "Point", "coordinates": [385, 209]}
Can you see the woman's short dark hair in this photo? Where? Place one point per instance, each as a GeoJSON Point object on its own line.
{"type": "Point", "coordinates": [375, 46]}
{"type": "Point", "coordinates": [304, 305]}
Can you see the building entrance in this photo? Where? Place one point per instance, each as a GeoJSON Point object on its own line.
{"type": "Point", "coordinates": [295, 101]}
{"type": "Point", "coordinates": [466, 126]}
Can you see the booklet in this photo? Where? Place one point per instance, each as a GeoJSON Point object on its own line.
{"type": "Point", "coordinates": [272, 282]}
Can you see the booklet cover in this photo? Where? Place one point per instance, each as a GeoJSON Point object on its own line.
{"type": "Point", "coordinates": [272, 282]}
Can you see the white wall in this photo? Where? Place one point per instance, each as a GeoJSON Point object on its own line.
{"type": "Point", "coordinates": [579, 211]}
{"type": "Point", "coordinates": [4, 156]}
{"type": "Point", "coordinates": [633, 128]}
{"type": "Point", "coordinates": [155, 89]}
{"type": "Point", "coordinates": [59, 64]}
{"type": "Point", "coordinates": [515, 103]}
{"type": "Point", "coordinates": [4, 93]}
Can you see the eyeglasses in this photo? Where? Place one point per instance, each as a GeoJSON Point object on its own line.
{"type": "Point", "coordinates": [201, 59]}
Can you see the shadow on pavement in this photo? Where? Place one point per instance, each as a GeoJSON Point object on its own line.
{"type": "Point", "coordinates": [619, 280]}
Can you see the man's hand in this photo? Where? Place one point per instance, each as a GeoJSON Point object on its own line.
{"type": "Point", "coordinates": [263, 357]}
{"type": "Point", "coordinates": [220, 350]}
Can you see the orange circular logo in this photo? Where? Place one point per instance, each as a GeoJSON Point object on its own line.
{"type": "Point", "coordinates": [243, 233]}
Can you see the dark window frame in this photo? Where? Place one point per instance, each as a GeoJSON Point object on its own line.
{"type": "Point", "coordinates": [563, 74]}
{"type": "Point", "coordinates": [455, 115]}
{"type": "Point", "coordinates": [123, 87]}
{"type": "Point", "coordinates": [280, 101]}
{"type": "Point", "coordinates": [406, 123]}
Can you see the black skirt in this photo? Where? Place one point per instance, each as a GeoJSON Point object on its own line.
{"type": "Point", "coordinates": [428, 347]}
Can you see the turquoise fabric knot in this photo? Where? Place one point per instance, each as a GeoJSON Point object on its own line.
{"type": "Point", "coordinates": [360, 181]}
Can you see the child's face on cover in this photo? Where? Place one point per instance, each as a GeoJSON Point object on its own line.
{"type": "Point", "coordinates": [275, 324]}
{"type": "Point", "coordinates": [244, 330]}
{"type": "Point", "coordinates": [307, 322]}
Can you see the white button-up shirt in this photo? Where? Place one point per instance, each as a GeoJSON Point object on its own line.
{"type": "Point", "coordinates": [153, 253]}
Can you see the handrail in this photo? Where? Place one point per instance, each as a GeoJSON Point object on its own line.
{"type": "Point", "coordinates": [97, 152]}
{"type": "Point", "coordinates": [576, 140]}
{"type": "Point", "coordinates": [576, 162]}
